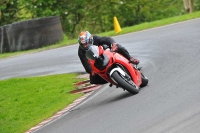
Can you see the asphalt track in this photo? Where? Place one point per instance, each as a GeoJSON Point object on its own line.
{"type": "Point", "coordinates": [170, 57]}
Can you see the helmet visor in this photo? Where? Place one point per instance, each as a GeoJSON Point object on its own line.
{"type": "Point", "coordinates": [85, 45]}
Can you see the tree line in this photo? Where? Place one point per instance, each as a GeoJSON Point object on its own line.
{"type": "Point", "coordinates": [95, 16]}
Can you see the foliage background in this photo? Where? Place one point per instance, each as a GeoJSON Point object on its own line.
{"type": "Point", "coordinates": [92, 15]}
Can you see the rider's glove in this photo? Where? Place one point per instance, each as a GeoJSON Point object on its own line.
{"type": "Point", "coordinates": [134, 61]}
{"type": "Point", "coordinates": [105, 46]}
{"type": "Point", "coordinates": [114, 47]}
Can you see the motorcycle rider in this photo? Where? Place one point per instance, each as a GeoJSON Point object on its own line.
{"type": "Point", "coordinates": [85, 39]}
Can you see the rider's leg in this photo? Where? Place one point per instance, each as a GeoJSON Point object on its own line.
{"type": "Point", "coordinates": [126, 54]}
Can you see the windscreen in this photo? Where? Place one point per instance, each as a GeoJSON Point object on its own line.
{"type": "Point", "coordinates": [92, 53]}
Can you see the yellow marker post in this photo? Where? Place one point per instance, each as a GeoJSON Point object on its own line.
{"type": "Point", "coordinates": [117, 26]}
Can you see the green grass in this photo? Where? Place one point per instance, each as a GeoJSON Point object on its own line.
{"type": "Point", "coordinates": [125, 30]}
{"type": "Point", "coordinates": [154, 24]}
{"type": "Point", "coordinates": [25, 102]}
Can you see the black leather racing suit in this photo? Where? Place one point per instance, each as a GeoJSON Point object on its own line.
{"type": "Point", "coordinates": [96, 79]}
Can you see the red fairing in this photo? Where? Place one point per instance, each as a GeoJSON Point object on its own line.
{"type": "Point", "coordinates": [115, 58]}
{"type": "Point", "coordinates": [101, 50]}
{"type": "Point", "coordinates": [136, 75]}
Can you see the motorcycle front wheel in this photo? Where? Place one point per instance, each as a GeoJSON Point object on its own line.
{"type": "Point", "coordinates": [125, 84]}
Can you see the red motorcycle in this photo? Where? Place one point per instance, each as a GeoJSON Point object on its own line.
{"type": "Point", "coordinates": [115, 69]}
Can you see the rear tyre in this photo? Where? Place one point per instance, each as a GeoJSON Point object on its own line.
{"type": "Point", "coordinates": [125, 84]}
{"type": "Point", "coordinates": [144, 81]}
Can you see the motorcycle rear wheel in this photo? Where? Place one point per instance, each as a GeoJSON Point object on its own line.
{"type": "Point", "coordinates": [144, 81]}
{"type": "Point", "coordinates": [124, 84]}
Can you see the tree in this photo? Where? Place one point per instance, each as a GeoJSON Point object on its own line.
{"type": "Point", "coordinates": [189, 6]}
{"type": "Point", "coordinates": [2, 2]}
{"type": "Point", "coordinates": [70, 12]}
{"type": "Point", "coordinates": [77, 15]}
{"type": "Point", "coordinates": [8, 11]}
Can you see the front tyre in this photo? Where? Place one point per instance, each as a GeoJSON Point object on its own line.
{"type": "Point", "coordinates": [125, 84]}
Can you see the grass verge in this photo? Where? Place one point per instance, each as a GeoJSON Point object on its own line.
{"type": "Point", "coordinates": [125, 30]}
{"type": "Point", "coordinates": [25, 102]}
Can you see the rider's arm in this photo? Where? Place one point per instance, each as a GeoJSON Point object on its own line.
{"type": "Point", "coordinates": [84, 60]}
{"type": "Point", "coordinates": [103, 40]}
